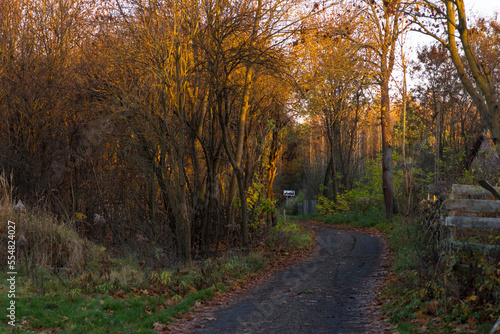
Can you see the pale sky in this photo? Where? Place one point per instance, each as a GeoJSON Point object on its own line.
{"type": "Point", "coordinates": [482, 7]}
{"type": "Point", "coordinates": [485, 7]}
{"type": "Point", "coordinates": [417, 40]}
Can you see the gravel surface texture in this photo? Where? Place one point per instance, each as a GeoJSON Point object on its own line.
{"type": "Point", "coordinates": [335, 290]}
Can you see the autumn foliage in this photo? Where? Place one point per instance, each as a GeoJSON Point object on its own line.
{"type": "Point", "coordinates": [175, 125]}
{"type": "Point", "coordinates": [158, 116]}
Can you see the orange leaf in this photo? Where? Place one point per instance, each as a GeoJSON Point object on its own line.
{"type": "Point", "coordinates": [119, 294]}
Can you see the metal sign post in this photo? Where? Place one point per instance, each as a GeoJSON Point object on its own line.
{"type": "Point", "coordinates": [288, 194]}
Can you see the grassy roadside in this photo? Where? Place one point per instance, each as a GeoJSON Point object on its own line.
{"type": "Point", "coordinates": [373, 218]}
{"type": "Point", "coordinates": [113, 295]}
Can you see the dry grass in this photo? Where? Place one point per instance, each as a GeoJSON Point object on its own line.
{"type": "Point", "coordinates": [41, 240]}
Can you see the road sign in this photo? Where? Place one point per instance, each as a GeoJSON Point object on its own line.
{"type": "Point", "coordinates": [289, 193]}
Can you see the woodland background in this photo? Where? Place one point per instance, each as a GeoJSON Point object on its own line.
{"type": "Point", "coordinates": [180, 123]}
{"type": "Point", "coordinates": [165, 131]}
{"type": "Point", "coordinates": [177, 122]}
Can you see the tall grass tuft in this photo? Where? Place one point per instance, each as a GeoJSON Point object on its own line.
{"type": "Point", "coordinates": [41, 240]}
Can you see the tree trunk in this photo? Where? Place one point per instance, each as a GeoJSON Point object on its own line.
{"type": "Point", "coordinates": [235, 158]}
{"type": "Point", "coordinates": [438, 142]}
{"type": "Point", "coordinates": [271, 174]}
{"type": "Point", "coordinates": [485, 96]}
{"type": "Point", "coordinates": [184, 222]}
{"type": "Point", "coordinates": [330, 133]}
{"type": "Point", "coordinates": [386, 127]}
{"type": "Point", "coordinates": [349, 172]}
{"type": "Point", "coordinates": [406, 180]}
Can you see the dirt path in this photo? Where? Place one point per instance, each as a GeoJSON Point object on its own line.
{"type": "Point", "coordinates": [333, 291]}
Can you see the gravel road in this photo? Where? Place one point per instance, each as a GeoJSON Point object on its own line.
{"type": "Point", "coordinates": [333, 291]}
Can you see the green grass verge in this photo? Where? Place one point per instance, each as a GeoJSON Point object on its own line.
{"type": "Point", "coordinates": [374, 217]}
{"type": "Point", "coordinates": [289, 236]}
{"type": "Point", "coordinates": [99, 313]}
{"type": "Point", "coordinates": [371, 217]}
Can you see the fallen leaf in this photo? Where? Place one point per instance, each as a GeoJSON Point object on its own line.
{"type": "Point", "coordinates": [119, 294]}
{"type": "Point", "coordinates": [472, 322]}
{"type": "Point", "coordinates": [431, 308]}
{"type": "Point", "coordinates": [421, 319]}
{"type": "Point", "coordinates": [159, 327]}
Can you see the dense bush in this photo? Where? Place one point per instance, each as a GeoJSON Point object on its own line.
{"type": "Point", "coordinates": [438, 286]}
{"type": "Point", "coordinates": [364, 196]}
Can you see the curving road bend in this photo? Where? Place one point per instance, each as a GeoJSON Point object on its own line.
{"type": "Point", "coordinates": [333, 291]}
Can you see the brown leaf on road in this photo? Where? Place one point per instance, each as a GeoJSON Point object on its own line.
{"type": "Point", "coordinates": [159, 327]}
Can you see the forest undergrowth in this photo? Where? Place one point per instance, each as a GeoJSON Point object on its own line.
{"type": "Point", "coordinates": [434, 288]}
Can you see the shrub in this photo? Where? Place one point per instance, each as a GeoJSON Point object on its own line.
{"type": "Point", "coordinates": [365, 195]}
{"type": "Point", "coordinates": [374, 217]}
{"type": "Point", "coordinates": [459, 284]}
{"type": "Point", "coordinates": [258, 205]}
{"type": "Point", "coordinates": [256, 261]}
{"type": "Point", "coordinates": [289, 237]}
